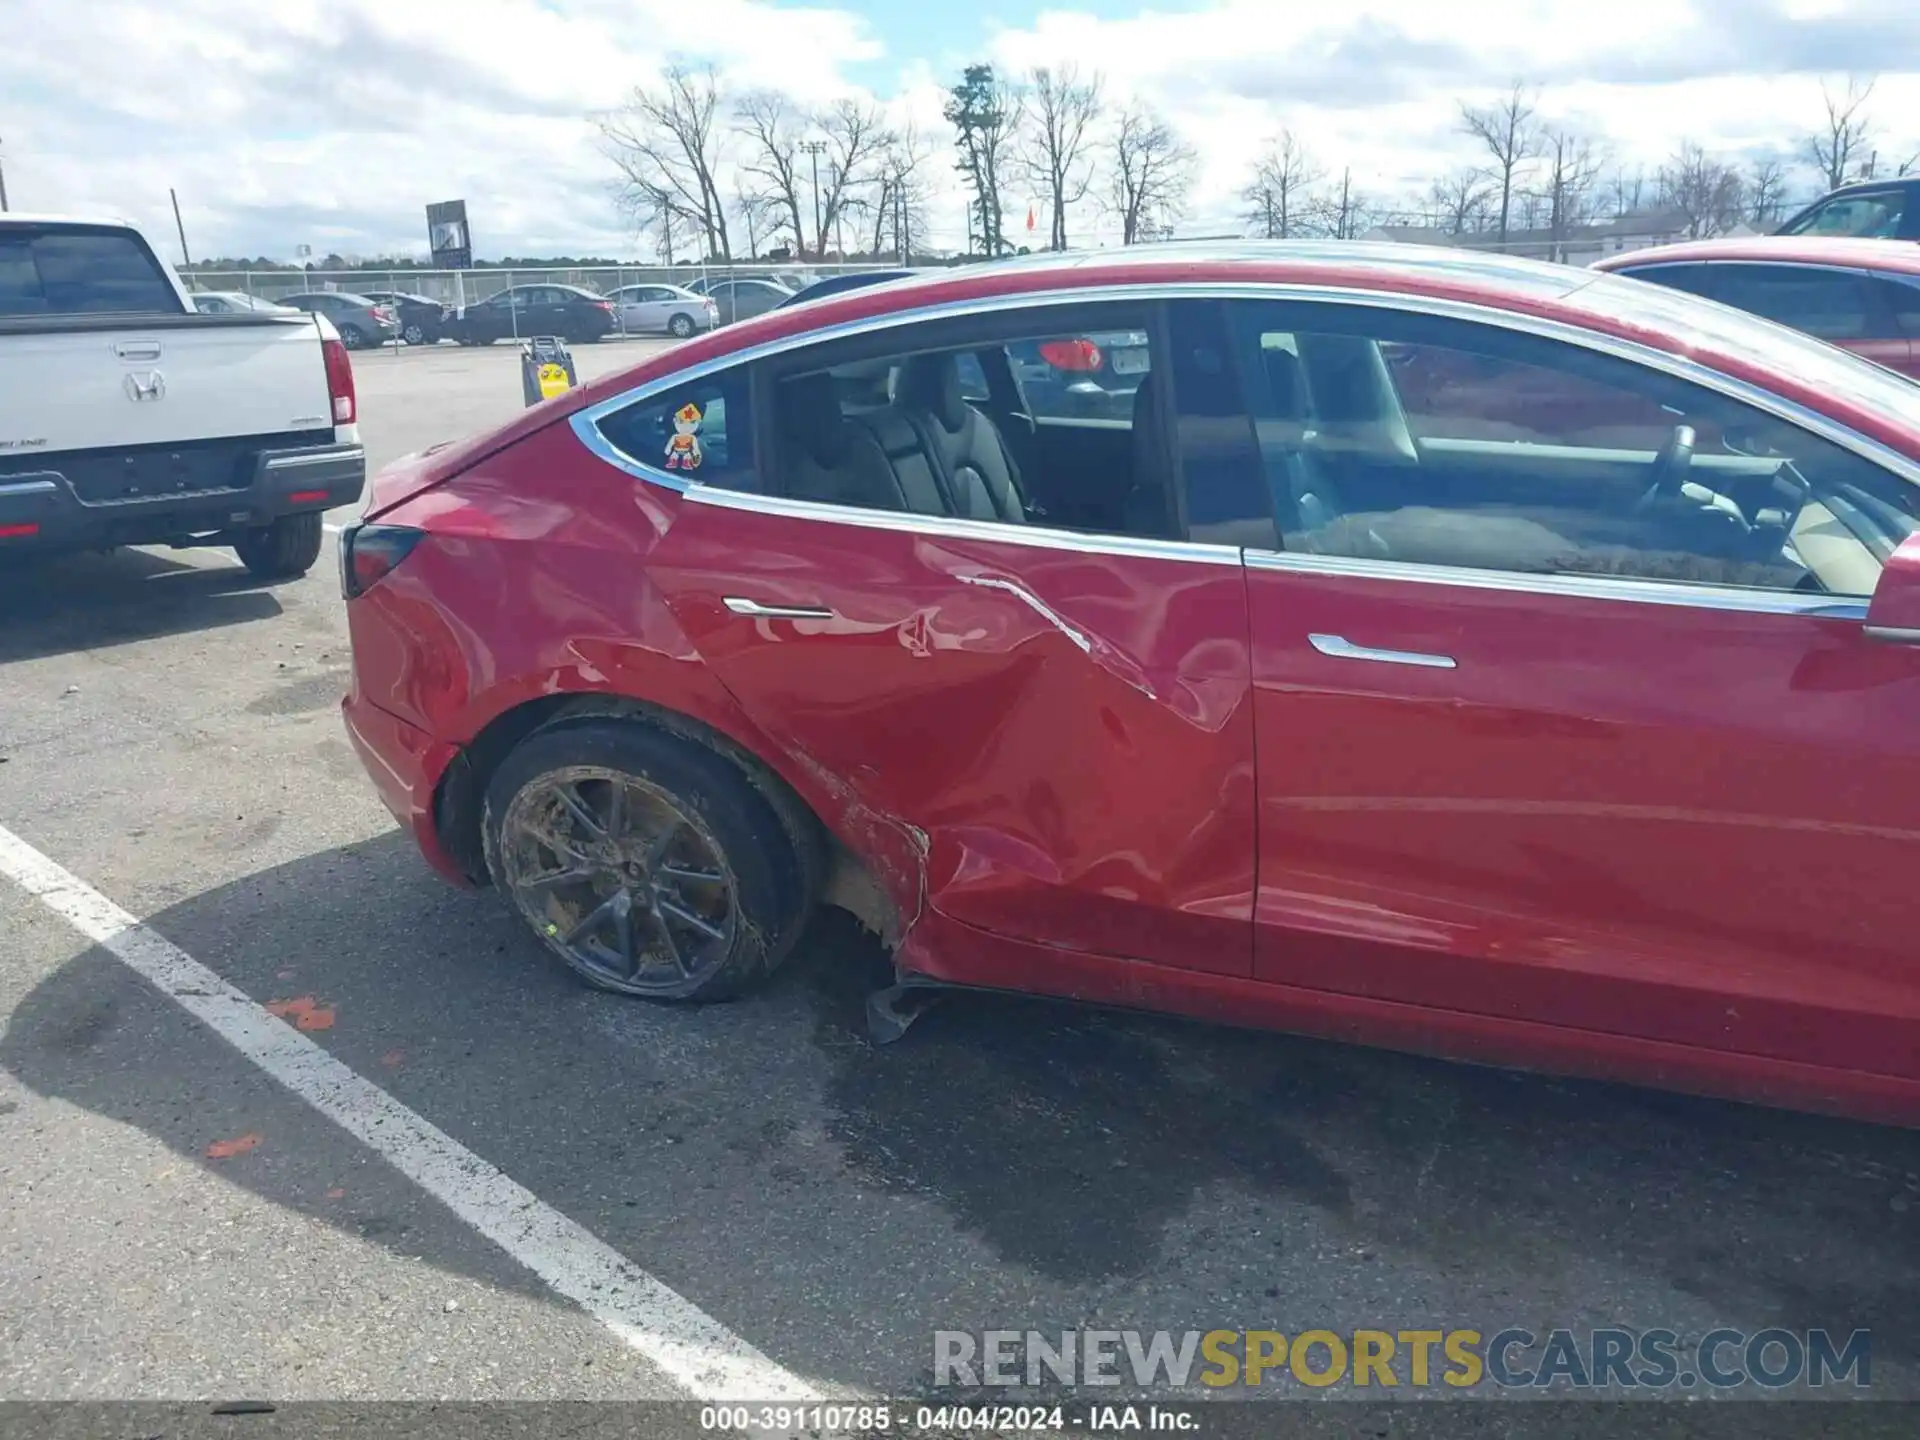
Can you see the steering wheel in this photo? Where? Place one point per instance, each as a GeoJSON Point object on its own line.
{"type": "Point", "coordinates": [1670, 467]}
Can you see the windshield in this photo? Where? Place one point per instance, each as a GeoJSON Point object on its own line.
{"type": "Point", "coordinates": [1711, 326]}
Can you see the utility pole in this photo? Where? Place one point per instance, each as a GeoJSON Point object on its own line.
{"type": "Point", "coordinates": [185, 258]}
{"type": "Point", "coordinates": [3, 189]}
{"type": "Point", "coordinates": [816, 148]}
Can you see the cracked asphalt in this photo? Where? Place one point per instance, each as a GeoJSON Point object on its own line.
{"type": "Point", "coordinates": [177, 1226]}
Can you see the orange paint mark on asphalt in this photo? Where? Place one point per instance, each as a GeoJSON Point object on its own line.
{"type": "Point", "coordinates": [393, 1058]}
{"type": "Point", "coordinates": [226, 1149]}
{"type": "Point", "coordinates": [304, 1011]}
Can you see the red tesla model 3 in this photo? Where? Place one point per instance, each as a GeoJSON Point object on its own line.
{"type": "Point", "coordinates": [1315, 686]}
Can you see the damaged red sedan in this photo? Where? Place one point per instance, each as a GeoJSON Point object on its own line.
{"type": "Point", "coordinates": [1444, 652]}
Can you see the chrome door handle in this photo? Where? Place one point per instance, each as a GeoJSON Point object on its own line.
{"type": "Point", "coordinates": [740, 605]}
{"type": "Point", "coordinates": [1892, 634]}
{"type": "Point", "coordinates": [1344, 649]}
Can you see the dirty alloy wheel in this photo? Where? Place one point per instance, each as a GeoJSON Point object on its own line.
{"type": "Point", "coordinates": [414, 334]}
{"type": "Point", "coordinates": [351, 337]}
{"type": "Point", "coordinates": [643, 860]}
{"type": "Point", "coordinates": [681, 326]}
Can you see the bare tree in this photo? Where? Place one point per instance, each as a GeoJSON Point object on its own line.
{"type": "Point", "coordinates": [1461, 201]}
{"type": "Point", "coordinates": [666, 143]}
{"type": "Point", "coordinates": [856, 138]}
{"type": "Point", "coordinates": [899, 208]}
{"type": "Point", "coordinates": [1280, 195]}
{"type": "Point", "coordinates": [1344, 212]}
{"type": "Point", "coordinates": [1511, 136]}
{"type": "Point", "coordinates": [986, 114]}
{"type": "Point", "coordinates": [756, 209]}
{"type": "Point", "coordinates": [1063, 109]}
{"type": "Point", "coordinates": [1703, 189]}
{"type": "Point", "coordinates": [1840, 145]}
{"type": "Point", "coordinates": [1573, 170]}
{"type": "Point", "coordinates": [1626, 191]}
{"type": "Point", "coordinates": [772, 127]}
{"type": "Point", "coordinates": [1150, 172]}
{"type": "Point", "coordinates": [1766, 193]}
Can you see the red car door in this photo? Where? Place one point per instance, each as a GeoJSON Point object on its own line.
{"type": "Point", "coordinates": [1585, 737]}
{"type": "Point", "coordinates": [1058, 725]}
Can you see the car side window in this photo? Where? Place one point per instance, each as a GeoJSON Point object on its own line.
{"type": "Point", "coordinates": [1081, 377]}
{"type": "Point", "coordinates": [1694, 279]}
{"type": "Point", "coordinates": [941, 420]}
{"type": "Point", "coordinates": [700, 432]}
{"type": "Point", "coordinates": [1405, 438]}
{"type": "Point", "coordinates": [1832, 304]}
{"type": "Point", "coordinates": [1875, 215]}
{"type": "Point", "coordinates": [1900, 300]}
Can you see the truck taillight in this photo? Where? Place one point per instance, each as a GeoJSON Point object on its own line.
{"type": "Point", "coordinates": [346, 408]}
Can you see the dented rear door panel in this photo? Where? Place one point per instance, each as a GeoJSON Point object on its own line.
{"type": "Point", "coordinates": [1063, 732]}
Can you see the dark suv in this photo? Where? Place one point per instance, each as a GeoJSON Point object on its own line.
{"type": "Point", "coordinates": [1868, 210]}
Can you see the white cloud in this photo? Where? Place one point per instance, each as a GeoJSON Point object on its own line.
{"type": "Point", "coordinates": [333, 122]}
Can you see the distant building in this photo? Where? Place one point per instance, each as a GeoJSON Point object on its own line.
{"type": "Point", "coordinates": [1577, 245]}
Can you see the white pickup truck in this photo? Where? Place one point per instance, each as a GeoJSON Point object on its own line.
{"type": "Point", "coordinates": [128, 418]}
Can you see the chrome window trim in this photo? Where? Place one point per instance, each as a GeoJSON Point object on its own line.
{"type": "Point", "coordinates": [1584, 587]}
{"type": "Point", "coordinates": [586, 421]}
{"type": "Point", "coordinates": [995, 531]}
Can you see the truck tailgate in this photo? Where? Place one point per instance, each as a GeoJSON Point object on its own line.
{"type": "Point", "coordinates": [158, 380]}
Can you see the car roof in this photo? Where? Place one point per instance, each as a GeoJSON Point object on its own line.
{"type": "Point", "coordinates": [1901, 256]}
{"type": "Point", "coordinates": [1611, 308]}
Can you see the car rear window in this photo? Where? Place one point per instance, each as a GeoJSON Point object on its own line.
{"type": "Point", "coordinates": [81, 272]}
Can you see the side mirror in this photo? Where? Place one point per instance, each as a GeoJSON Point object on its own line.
{"type": "Point", "coordinates": [1894, 613]}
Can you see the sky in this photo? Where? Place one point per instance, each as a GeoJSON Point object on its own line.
{"type": "Point", "coordinates": [333, 123]}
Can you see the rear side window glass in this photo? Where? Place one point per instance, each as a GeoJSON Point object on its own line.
{"type": "Point", "coordinates": [1875, 215]}
{"type": "Point", "coordinates": [701, 432]}
{"type": "Point", "coordinates": [81, 273]}
{"type": "Point", "coordinates": [1831, 304]}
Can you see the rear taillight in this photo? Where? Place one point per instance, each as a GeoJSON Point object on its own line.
{"type": "Point", "coordinates": [369, 553]}
{"type": "Point", "coordinates": [346, 408]}
{"type": "Point", "coordinates": [1075, 355]}
{"type": "Point", "coordinates": [606, 305]}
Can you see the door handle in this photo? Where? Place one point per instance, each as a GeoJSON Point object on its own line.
{"type": "Point", "coordinates": [1892, 634]}
{"type": "Point", "coordinates": [740, 605]}
{"type": "Point", "coordinates": [1344, 649]}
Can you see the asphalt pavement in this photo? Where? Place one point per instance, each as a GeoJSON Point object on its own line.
{"type": "Point", "coordinates": [181, 1224]}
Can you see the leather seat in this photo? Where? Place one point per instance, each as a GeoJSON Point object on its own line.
{"type": "Point", "coordinates": [969, 454]}
{"type": "Point", "coordinates": [828, 459]}
{"type": "Point", "coordinates": [1145, 510]}
{"type": "Point", "coordinates": [1308, 501]}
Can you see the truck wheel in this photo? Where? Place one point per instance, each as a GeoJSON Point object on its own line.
{"type": "Point", "coordinates": [284, 550]}
{"type": "Point", "coordinates": [681, 326]}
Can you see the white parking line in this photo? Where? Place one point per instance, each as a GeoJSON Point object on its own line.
{"type": "Point", "coordinates": [688, 1345]}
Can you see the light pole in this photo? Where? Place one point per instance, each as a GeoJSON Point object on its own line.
{"type": "Point", "coordinates": [3, 189]}
{"type": "Point", "coordinates": [816, 148]}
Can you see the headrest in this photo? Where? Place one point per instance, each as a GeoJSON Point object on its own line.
{"type": "Point", "coordinates": [810, 415]}
{"type": "Point", "coordinates": [932, 383]}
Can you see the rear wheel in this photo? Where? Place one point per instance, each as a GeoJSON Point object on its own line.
{"type": "Point", "coordinates": [414, 334]}
{"type": "Point", "coordinates": [644, 860]}
{"type": "Point", "coordinates": [680, 326]}
{"type": "Point", "coordinates": [284, 550]}
{"type": "Point", "coordinates": [353, 337]}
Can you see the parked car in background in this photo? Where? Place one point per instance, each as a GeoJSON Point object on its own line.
{"type": "Point", "coordinates": [743, 299]}
{"type": "Point", "coordinates": [361, 321]}
{"type": "Point", "coordinates": [422, 321]}
{"type": "Point", "coordinates": [575, 315]}
{"type": "Point", "coordinates": [1291, 699]}
{"type": "Point", "coordinates": [840, 284]}
{"type": "Point", "coordinates": [662, 309]}
{"type": "Point", "coordinates": [1862, 295]}
{"type": "Point", "coordinates": [235, 302]}
{"type": "Point", "coordinates": [1868, 210]}
{"type": "Point", "coordinates": [129, 418]}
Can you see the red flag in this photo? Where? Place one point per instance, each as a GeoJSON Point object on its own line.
{"type": "Point", "coordinates": [1029, 215]}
